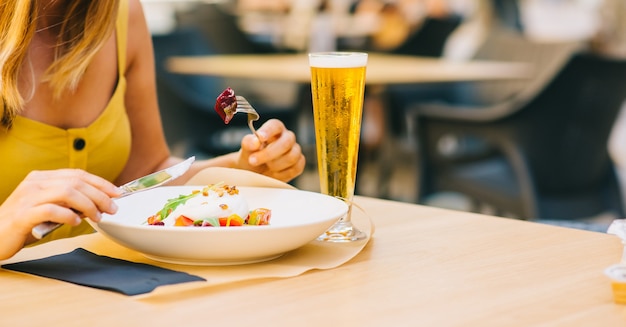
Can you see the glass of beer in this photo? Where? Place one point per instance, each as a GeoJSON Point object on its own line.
{"type": "Point", "coordinates": [337, 87]}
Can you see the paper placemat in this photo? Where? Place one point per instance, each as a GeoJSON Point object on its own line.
{"type": "Point", "coordinates": [315, 255]}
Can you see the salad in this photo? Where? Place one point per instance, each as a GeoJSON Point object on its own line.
{"type": "Point", "coordinates": [215, 205]}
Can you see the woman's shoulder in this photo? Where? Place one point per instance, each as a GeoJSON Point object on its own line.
{"type": "Point", "coordinates": [138, 35]}
{"type": "Point", "coordinates": [136, 19]}
{"type": "Point", "coordinates": [135, 9]}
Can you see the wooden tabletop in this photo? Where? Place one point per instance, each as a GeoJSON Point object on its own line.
{"type": "Point", "coordinates": [381, 68]}
{"type": "Point", "coordinates": [423, 267]}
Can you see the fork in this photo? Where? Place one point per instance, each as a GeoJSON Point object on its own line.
{"type": "Point", "coordinates": [244, 106]}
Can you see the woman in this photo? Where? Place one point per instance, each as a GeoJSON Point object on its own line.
{"type": "Point", "coordinates": [79, 115]}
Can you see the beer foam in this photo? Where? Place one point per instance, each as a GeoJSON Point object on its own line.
{"type": "Point", "coordinates": [338, 59]}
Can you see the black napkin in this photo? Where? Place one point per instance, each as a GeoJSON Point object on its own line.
{"type": "Point", "coordinates": [88, 269]}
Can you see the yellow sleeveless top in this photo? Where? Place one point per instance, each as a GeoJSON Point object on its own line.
{"type": "Point", "coordinates": [101, 148]}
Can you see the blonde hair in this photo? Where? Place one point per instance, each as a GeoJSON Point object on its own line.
{"type": "Point", "coordinates": [84, 29]}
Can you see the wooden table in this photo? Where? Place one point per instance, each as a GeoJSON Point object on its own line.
{"type": "Point", "coordinates": [423, 267]}
{"type": "Point", "coordinates": [381, 68]}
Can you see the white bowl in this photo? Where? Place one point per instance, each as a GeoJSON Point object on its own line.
{"type": "Point", "coordinates": [298, 217]}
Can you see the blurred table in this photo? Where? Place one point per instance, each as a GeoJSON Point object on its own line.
{"type": "Point", "coordinates": [423, 267]}
{"type": "Point", "coordinates": [381, 68]}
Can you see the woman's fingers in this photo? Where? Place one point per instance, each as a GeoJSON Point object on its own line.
{"type": "Point", "coordinates": [278, 148]}
{"type": "Point", "coordinates": [77, 190]}
{"type": "Point", "coordinates": [62, 215]}
{"type": "Point", "coordinates": [64, 174]}
{"type": "Point", "coordinates": [75, 193]}
{"type": "Point", "coordinates": [281, 157]}
{"type": "Point", "coordinates": [61, 196]}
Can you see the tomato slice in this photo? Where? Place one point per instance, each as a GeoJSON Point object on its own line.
{"type": "Point", "coordinates": [232, 220]}
{"type": "Point", "coordinates": [183, 221]}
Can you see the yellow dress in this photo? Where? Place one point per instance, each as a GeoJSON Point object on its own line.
{"type": "Point", "coordinates": [101, 148]}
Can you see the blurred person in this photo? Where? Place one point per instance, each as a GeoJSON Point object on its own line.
{"type": "Point", "coordinates": [561, 20]}
{"type": "Point", "coordinates": [297, 31]}
{"type": "Point", "coordinates": [398, 19]}
{"type": "Point", "coordinates": [79, 115]}
{"type": "Point", "coordinates": [610, 37]}
{"type": "Point", "coordinates": [275, 6]}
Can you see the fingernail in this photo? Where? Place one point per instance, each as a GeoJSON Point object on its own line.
{"type": "Point", "coordinates": [113, 207]}
{"type": "Point", "coordinates": [252, 160]}
{"type": "Point", "coordinates": [98, 216]}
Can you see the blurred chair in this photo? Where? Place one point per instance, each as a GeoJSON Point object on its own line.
{"type": "Point", "coordinates": [508, 13]}
{"type": "Point", "coordinates": [219, 27]}
{"type": "Point", "coordinates": [539, 156]}
{"type": "Point", "coordinates": [187, 101]}
{"type": "Point", "coordinates": [427, 41]}
{"type": "Point", "coordinates": [501, 44]}
{"type": "Point", "coordinates": [430, 38]}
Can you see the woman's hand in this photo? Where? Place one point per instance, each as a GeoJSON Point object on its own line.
{"type": "Point", "coordinates": [54, 195]}
{"type": "Point", "coordinates": [276, 154]}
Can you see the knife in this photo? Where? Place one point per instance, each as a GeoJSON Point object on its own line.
{"type": "Point", "coordinates": [141, 184]}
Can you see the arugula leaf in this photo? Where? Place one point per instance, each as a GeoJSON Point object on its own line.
{"type": "Point", "coordinates": [172, 204]}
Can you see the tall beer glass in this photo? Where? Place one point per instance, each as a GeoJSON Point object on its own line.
{"type": "Point", "coordinates": [337, 86]}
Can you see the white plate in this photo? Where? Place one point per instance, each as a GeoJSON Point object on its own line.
{"type": "Point", "coordinates": [298, 217]}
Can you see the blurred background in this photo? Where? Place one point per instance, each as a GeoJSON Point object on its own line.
{"type": "Point", "coordinates": [393, 159]}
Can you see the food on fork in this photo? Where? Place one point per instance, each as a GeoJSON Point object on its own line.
{"type": "Point", "coordinates": [226, 105]}
{"type": "Point", "coordinates": [212, 206]}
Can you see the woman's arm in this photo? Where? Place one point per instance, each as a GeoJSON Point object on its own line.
{"type": "Point", "coordinates": [149, 150]}
{"type": "Point", "coordinates": [281, 158]}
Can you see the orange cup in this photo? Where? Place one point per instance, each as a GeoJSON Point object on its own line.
{"type": "Point", "coordinates": [617, 274]}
